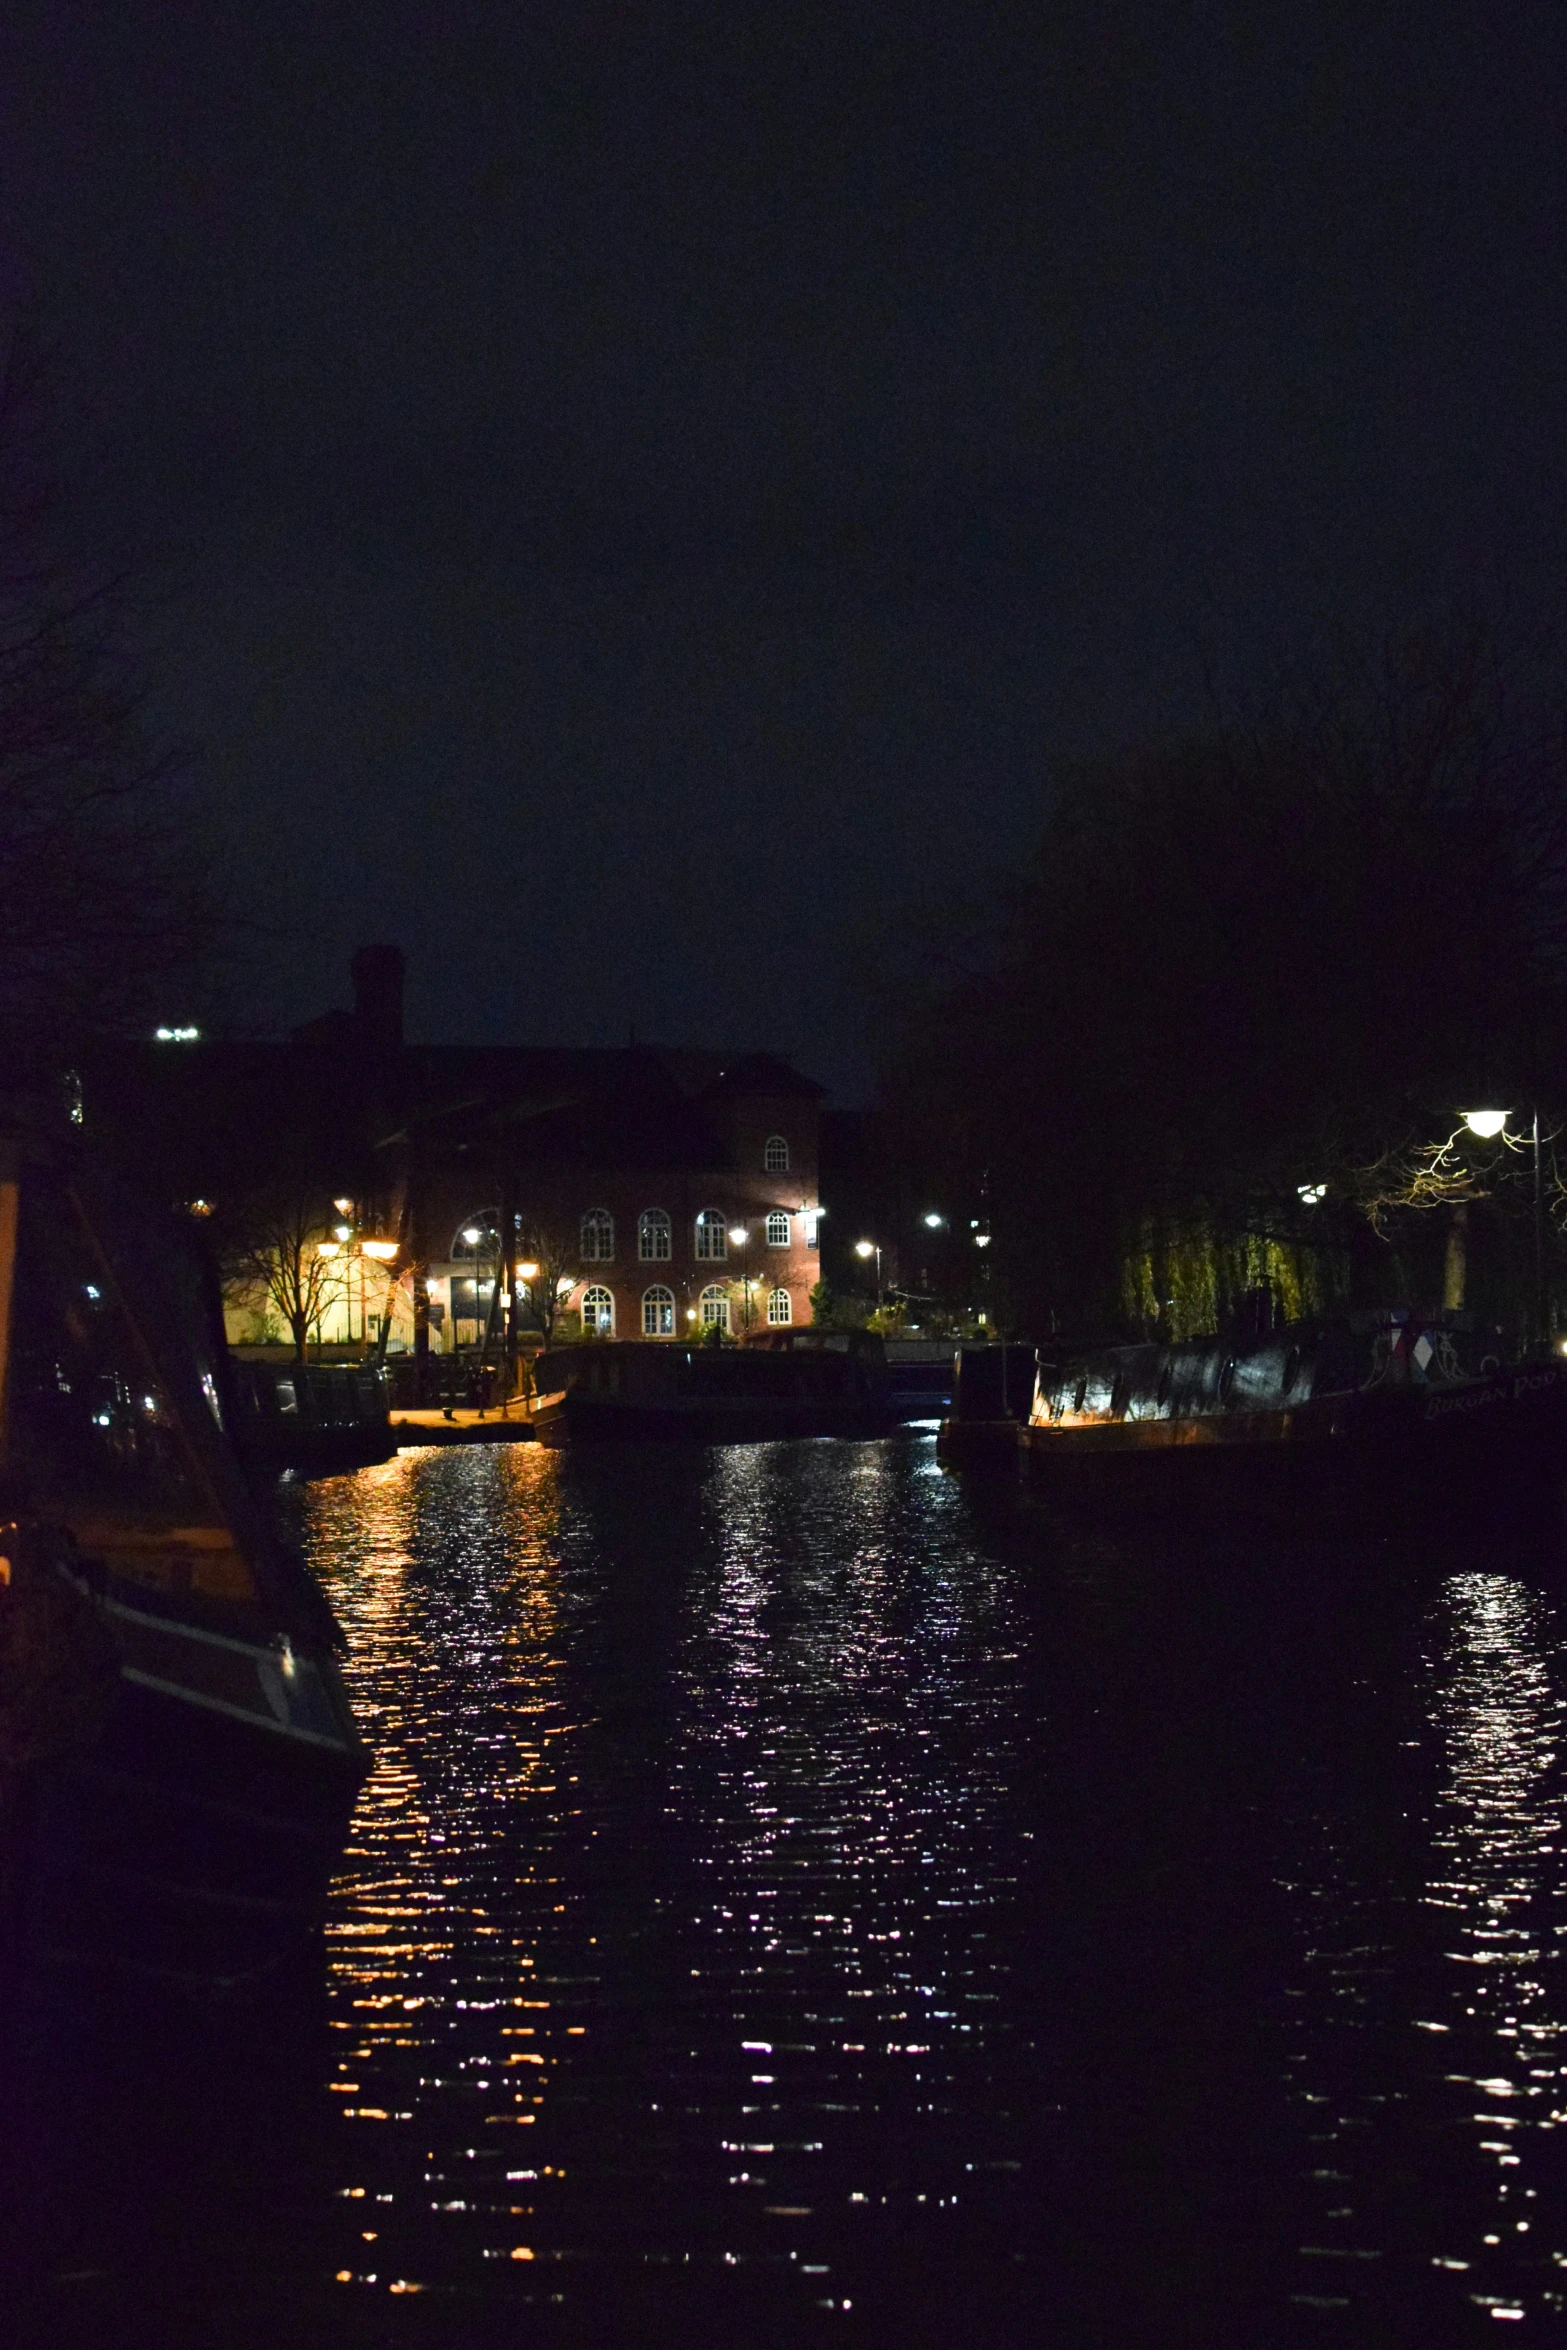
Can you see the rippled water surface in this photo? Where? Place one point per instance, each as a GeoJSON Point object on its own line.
{"type": "Point", "coordinates": [801, 1897]}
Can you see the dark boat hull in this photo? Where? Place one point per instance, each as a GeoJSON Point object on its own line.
{"type": "Point", "coordinates": [184, 1821]}
{"type": "Point", "coordinates": [582, 1418]}
{"type": "Point", "coordinates": [1400, 1458]}
{"type": "Point", "coordinates": [127, 1870]}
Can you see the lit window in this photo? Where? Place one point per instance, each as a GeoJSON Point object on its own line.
{"type": "Point", "coordinates": [714, 1304]}
{"type": "Point", "coordinates": [598, 1312]}
{"type": "Point", "coordinates": [654, 1240]}
{"type": "Point", "coordinates": [779, 1310]}
{"type": "Point", "coordinates": [778, 1229]}
{"type": "Point", "coordinates": [658, 1311]}
{"type": "Point", "coordinates": [598, 1236]}
{"type": "Point", "coordinates": [775, 1158]}
{"type": "Point", "coordinates": [712, 1238]}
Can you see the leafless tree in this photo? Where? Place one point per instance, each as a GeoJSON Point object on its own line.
{"type": "Point", "coordinates": [108, 910]}
{"type": "Point", "coordinates": [552, 1251]}
{"type": "Point", "coordinates": [282, 1248]}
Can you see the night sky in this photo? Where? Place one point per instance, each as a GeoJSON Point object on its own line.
{"type": "Point", "coordinates": [637, 495]}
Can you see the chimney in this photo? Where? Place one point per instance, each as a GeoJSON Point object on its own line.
{"type": "Point", "coordinates": [378, 994]}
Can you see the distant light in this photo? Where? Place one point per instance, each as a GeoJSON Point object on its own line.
{"type": "Point", "coordinates": [385, 1250]}
{"type": "Point", "coordinates": [565, 1285]}
{"type": "Point", "coordinates": [934, 1221]}
{"type": "Point", "coordinates": [176, 1035]}
{"type": "Point", "coordinates": [342, 1232]}
{"type": "Point", "coordinates": [690, 1313]}
{"type": "Point", "coordinates": [201, 1207]}
{"type": "Point", "coordinates": [471, 1235]}
{"type": "Point", "coordinates": [982, 1240]}
{"type": "Point", "coordinates": [529, 1272]}
{"type": "Point", "coordinates": [1487, 1124]}
{"type": "Point", "coordinates": [739, 1235]}
{"type": "Point", "coordinates": [326, 1248]}
{"type": "Point", "coordinates": [1311, 1195]}
{"type": "Point", "coordinates": [865, 1248]}
{"type": "Point", "coordinates": [93, 1292]}
{"type": "Point", "coordinates": [344, 1207]}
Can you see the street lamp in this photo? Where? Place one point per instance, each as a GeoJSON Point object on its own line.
{"type": "Point", "coordinates": [1488, 1124]}
{"type": "Point", "coordinates": [871, 1248]}
{"type": "Point", "coordinates": [739, 1238]}
{"type": "Point", "coordinates": [934, 1221]}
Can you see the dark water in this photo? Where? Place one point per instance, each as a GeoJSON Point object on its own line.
{"type": "Point", "coordinates": [801, 1898]}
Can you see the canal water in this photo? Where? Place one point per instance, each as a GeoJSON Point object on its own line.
{"type": "Point", "coordinates": [801, 1897]}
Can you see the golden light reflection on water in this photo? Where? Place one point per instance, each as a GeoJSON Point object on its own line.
{"type": "Point", "coordinates": [627, 2025]}
{"type": "Point", "coordinates": [443, 1568]}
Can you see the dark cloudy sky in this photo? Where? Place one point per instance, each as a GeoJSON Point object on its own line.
{"type": "Point", "coordinates": [640, 492]}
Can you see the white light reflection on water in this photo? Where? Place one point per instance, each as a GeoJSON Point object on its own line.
{"type": "Point", "coordinates": [852, 1871]}
{"type": "Point", "coordinates": [1498, 1882]}
{"type": "Point", "coordinates": [668, 1941]}
{"type": "Point", "coordinates": [1428, 2064]}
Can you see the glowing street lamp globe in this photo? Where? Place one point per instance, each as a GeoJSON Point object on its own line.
{"type": "Point", "coordinates": [865, 1248]}
{"type": "Point", "coordinates": [1487, 1124]}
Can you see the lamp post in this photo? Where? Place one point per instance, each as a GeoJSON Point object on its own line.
{"type": "Point", "coordinates": [1488, 1124]}
{"type": "Point", "coordinates": [871, 1248]}
{"type": "Point", "coordinates": [739, 1238]}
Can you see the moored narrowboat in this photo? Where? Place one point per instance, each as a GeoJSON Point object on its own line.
{"type": "Point", "coordinates": [785, 1383]}
{"type": "Point", "coordinates": [1382, 1417]}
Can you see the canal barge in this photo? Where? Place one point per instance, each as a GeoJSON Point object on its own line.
{"type": "Point", "coordinates": [178, 1762]}
{"type": "Point", "coordinates": [1387, 1417]}
{"type": "Point", "coordinates": [781, 1384]}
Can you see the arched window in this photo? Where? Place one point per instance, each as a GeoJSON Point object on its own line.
{"type": "Point", "coordinates": [658, 1312]}
{"type": "Point", "coordinates": [714, 1304]}
{"type": "Point", "coordinates": [598, 1312]}
{"type": "Point", "coordinates": [654, 1238]}
{"type": "Point", "coordinates": [778, 1229]}
{"type": "Point", "coordinates": [779, 1309]}
{"type": "Point", "coordinates": [712, 1238]}
{"type": "Point", "coordinates": [775, 1156]}
{"type": "Point", "coordinates": [598, 1236]}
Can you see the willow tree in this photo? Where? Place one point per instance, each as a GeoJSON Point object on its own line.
{"type": "Point", "coordinates": [1240, 971]}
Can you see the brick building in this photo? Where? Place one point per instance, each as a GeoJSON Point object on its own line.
{"type": "Point", "coordinates": [656, 1191]}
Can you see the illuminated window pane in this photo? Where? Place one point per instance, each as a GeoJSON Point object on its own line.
{"type": "Point", "coordinates": [654, 1238]}
{"type": "Point", "coordinates": [712, 1237]}
{"type": "Point", "coordinates": [658, 1313]}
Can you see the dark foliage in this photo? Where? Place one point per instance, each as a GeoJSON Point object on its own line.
{"type": "Point", "coordinates": [1261, 959]}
